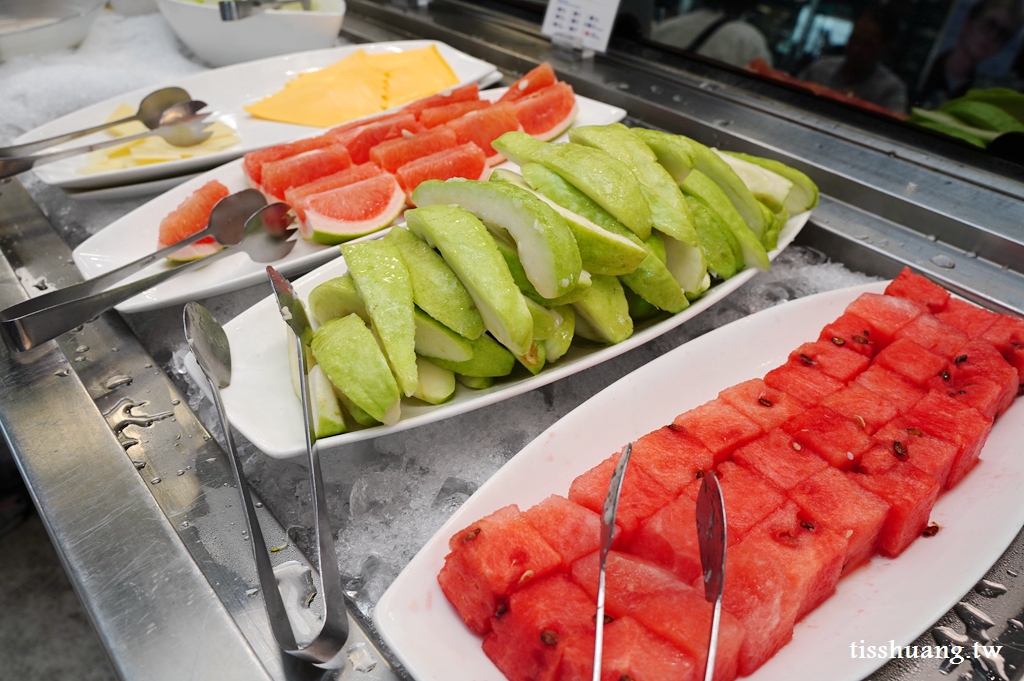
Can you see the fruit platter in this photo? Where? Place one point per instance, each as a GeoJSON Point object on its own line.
{"type": "Point", "coordinates": [887, 601]}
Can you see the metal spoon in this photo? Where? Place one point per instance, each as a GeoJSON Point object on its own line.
{"type": "Point", "coordinates": [711, 538]}
{"type": "Point", "coordinates": [334, 633]}
{"type": "Point", "coordinates": [181, 125]}
{"type": "Point", "coordinates": [608, 512]}
{"type": "Point", "coordinates": [266, 238]}
{"type": "Point", "coordinates": [151, 108]}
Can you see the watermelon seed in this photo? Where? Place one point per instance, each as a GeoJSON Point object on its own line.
{"type": "Point", "coordinates": [549, 638]}
{"type": "Point", "coordinates": [806, 524]}
{"type": "Point", "coordinates": [849, 533]}
{"type": "Point", "coordinates": [608, 619]}
{"type": "Point", "coordinates": [944, 375]}
{"type": "Point", "coordinates": [502, 607]}
{"type": "Point", "coordinates": [931, 530]}
{"type": "Point", "coordinates": [901, 449]}
{"type": "Point", "coordinates": [678, 429]}
{"type": "Point", "coordinates": [625, 677]}
{"type": "Point", "coordinates": [856, 417]}
{"type": "Point", "coordinates": [472, 535]}
{"type": "Point", "coordinates": [700, 474]}
{"type": "Point", "coordinates": [835, 339]}
{"type": "Point", "coordinates": [959, 360]}
{"type": "Point", "coordinates": [912, 431]}
{"type": "Point", "coordinates": [861, 339]}
{"type": "Point", "coordinates": [962, 392]}
{"type": "Point", "coordinates": [527, 576]}
{"type": "Point", "coordinates": [763, 400]}
{"type": "Point", "coordinates": [807, 360]}
{"type": "Point", "coordinates": [796, 445]}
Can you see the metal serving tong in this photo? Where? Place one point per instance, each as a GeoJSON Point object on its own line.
{"type": "Point", "coordinates": [181, 125]}
{"type": "Point", "coordinates": [240, 222]}
{"type": "Point", "coordinates": [234, 10]}
{"type": "Point", "coordinates": [711, 538]}
{"type": "Point", "coordinates": [608, 512]}
{"type": "Point", "coordinates": [151, 108]}
{"type": "Point", "coordinates": [210, 346]}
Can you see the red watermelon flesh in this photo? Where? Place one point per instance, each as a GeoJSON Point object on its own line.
{"type": "Point", "coordinates": [779, 459]}
{"type": "Point", "coordinates": [910, 360]}
{"type": "Point", "coordinates": [545, 114]}
{"type": "Point", "coordinates": [810, 555]}
{"type": "Point", "coordinates": [933, 335]}
{"type": "Point", "coordinates": [535, 626]}
{"type": "Point", "coordinates": [252, 166]}
{"type": "Point", "coordinates": [466, 93]}
{"type": "Point", "coordinates": [970, 319]}
{"type": "Point", "coordinates": [393, 154]}
{"type": "Point", "coordinates": [980, 377]}
{"type": "Point", "coordinates": [640, 498]}
{"type": "Point", "coordinates": [851, 332]}
{"type": "Point", "coordinates": [484, 126]}
{"type": "Point", "coordinates": [466, 161]}
{"type": "Point", "coordinates": [832, 360]}
{"type": "Point", "coordinates": [964, 426]}
{"type": "Point", "coordinates": [669, 539]}
{"type": "Point", "coordinates": [295, 171]}
{"type": "Point", "coordinates": [295, 197]}
{"type": "Point", "coordinates": [571, 530]}
{"type": "Point", "coordinates": [671, 457]}
{"type": "Point", "coordinates": [353, 210]}
{"type": "Point", "coordinates": [909, 443]}
{"type": "Point", "coordinates": [360, 140]}
{"type": "Point", "coordinates": [885, 315]}
{"type": "Point", "coordinates": [537, 79]}
{"type": "Point", "coordinates": [337, 130]}
{"type": "Point", "coordinates": [846, 508]}
{"type": "Point", "coordinates": [803, 383]}
{"type": "Point", "coordinates": [664, 604]}
{"type": "Point", "coordinates": [1007, 336]}
{"type": "Point", "coordinates": [891, 386]}
{"type": "Point", "coordinates": [910, 492]}
{"type": "Point", "coordinates": [869, 410]}
{"type": "Point", "coordinates": [918, 289]}
{"type": "Point", "coordinates": [490, 559]}
{"type": "Point", "coordinates": [747, 496]}
{"type": "Point", "coordinates": [719, 427]}
{"type": "Point", "coordinates": [832, 436]}
{"type": "Point", "coordinates": [431, 118]}
{"type": "Point", "coordinates": [765, 406]}
{"type": "Point", "coordinates": [630, 650]}
{"type": "Point", "coordinates": [193, 215]}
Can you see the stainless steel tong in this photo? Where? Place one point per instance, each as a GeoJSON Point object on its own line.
{"type": "Point", "coordinates": [711, 538]}
{"type": "Point", "coordinates": [234, 10]}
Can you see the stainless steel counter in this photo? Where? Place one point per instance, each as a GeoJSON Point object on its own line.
{"type": "Point", "coordinates": [137, 496]}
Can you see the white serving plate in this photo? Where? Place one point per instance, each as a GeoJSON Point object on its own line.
{"type": "Point", "coordinates": [261, 403]}
{"type": "Point", "coordinates": [889, 599]}
{"type": "Point", "coordinates": [135, 235]}
{"type": "Point", "coordinates": [227, 90]}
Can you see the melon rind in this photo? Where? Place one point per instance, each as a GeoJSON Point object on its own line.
{"type": "Point", "coordinates": [193, 252]}
{"type": "Point", "coordinates": [321, 229]}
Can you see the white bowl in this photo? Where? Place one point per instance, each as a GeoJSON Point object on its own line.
{"type": "Point", "coordinates": [272, 33]}
{"type": "Point", "coordinates": [38, 26]}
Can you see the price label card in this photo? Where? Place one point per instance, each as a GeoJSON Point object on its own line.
{"type": "Point", "coordinates": [587, 23]}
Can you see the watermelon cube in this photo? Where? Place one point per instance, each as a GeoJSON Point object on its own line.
{"type": "Point", "coordinates": [980, 377]}
{"type": "Point", "coordinates": [360, 139]}
{"type": "Point", "coordinates": [631, 651]}
{"type": "Point", "coordinates": [885, 315]}
{"type": "Point", "coordinates": [483, 126]}
{"type": "Point", "coordinates": [851, 332]}
{"type": "Point", "coordinates": [831, 359]}
{"type": "Point", "coordinates": [296, 196]}
{"type": "Point", "coordinates": [664, 604]}
{"type": "Point", "coordinates": [859, 404]}
{"type": "Point", "coordinates": [466, 93]}
{"type": "Point", "coordinates": [971, 319]}
{"type": "Point", "coordinates": [532, 630]}
{"type": "Point", "coordinates": [252, 166]}
{"type": "Point", "coordinates": [439, 115]}
{"type": "Point", "coordinates": [889, 385]}
{"type": "Point", "coordinates": [640, 498]}
{"type": "Point", "coordinates": [846, 508]}
{"type": "Point", "coordinates": [392, 154]}
{"type": "Point", "coordinates": [489, 559]}
{"type": "Point", "coordinates": [910, 492]}
{"type": "Point", "coordinates": [747, 496]}
{"type": "Point", "coordinates": [779, 459]}
{"type": "Point", "coordinates": [804, 383]}
{"type": "Point", "coordinates": [671, 457]}
{"type": "Point", "coordinates": [933, 335]}
{"type": "Point", "coordinates": [918, 289]}
{"type": "Point", "coordinates": [293, 171]}
{"type": "Point", "coordinates": [765, 406]}
{"type": "Point", "coordinates": [466, 160]}
{"type": "Point", "coordinates": [1007, 336]}
{"type": "Point", "coordinates": [832, 436]}
{"type": "Point", "coordinates": [909, 443]}
{"type": "Point", "coordinates": [571, 530]}
{"type": "Point", "coordinates": [719, 427]}
{"type": "Point", "coordinates": [950, 420]}
{"type": "Point", "coordinates": [910, 360]}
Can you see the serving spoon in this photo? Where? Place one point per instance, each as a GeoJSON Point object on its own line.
{"type": "Point", "coordinates": [151, 109]}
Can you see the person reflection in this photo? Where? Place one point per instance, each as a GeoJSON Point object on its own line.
{"type": "Point", "coordinates": [717, 32]}
{"type": "Point", "coordinates": [859, 72]}
{"type": "Point", "coordinates": [989, 26]}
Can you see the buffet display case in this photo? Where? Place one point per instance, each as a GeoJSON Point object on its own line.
{"type": "Point", "coordinates": [120, 451]}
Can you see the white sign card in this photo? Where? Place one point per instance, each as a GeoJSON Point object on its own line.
{"type": "Point", "coordinates": [586, 23]}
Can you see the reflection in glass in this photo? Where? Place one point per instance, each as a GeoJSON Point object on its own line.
{"type": "Point", "coordinates": [717, 31]}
